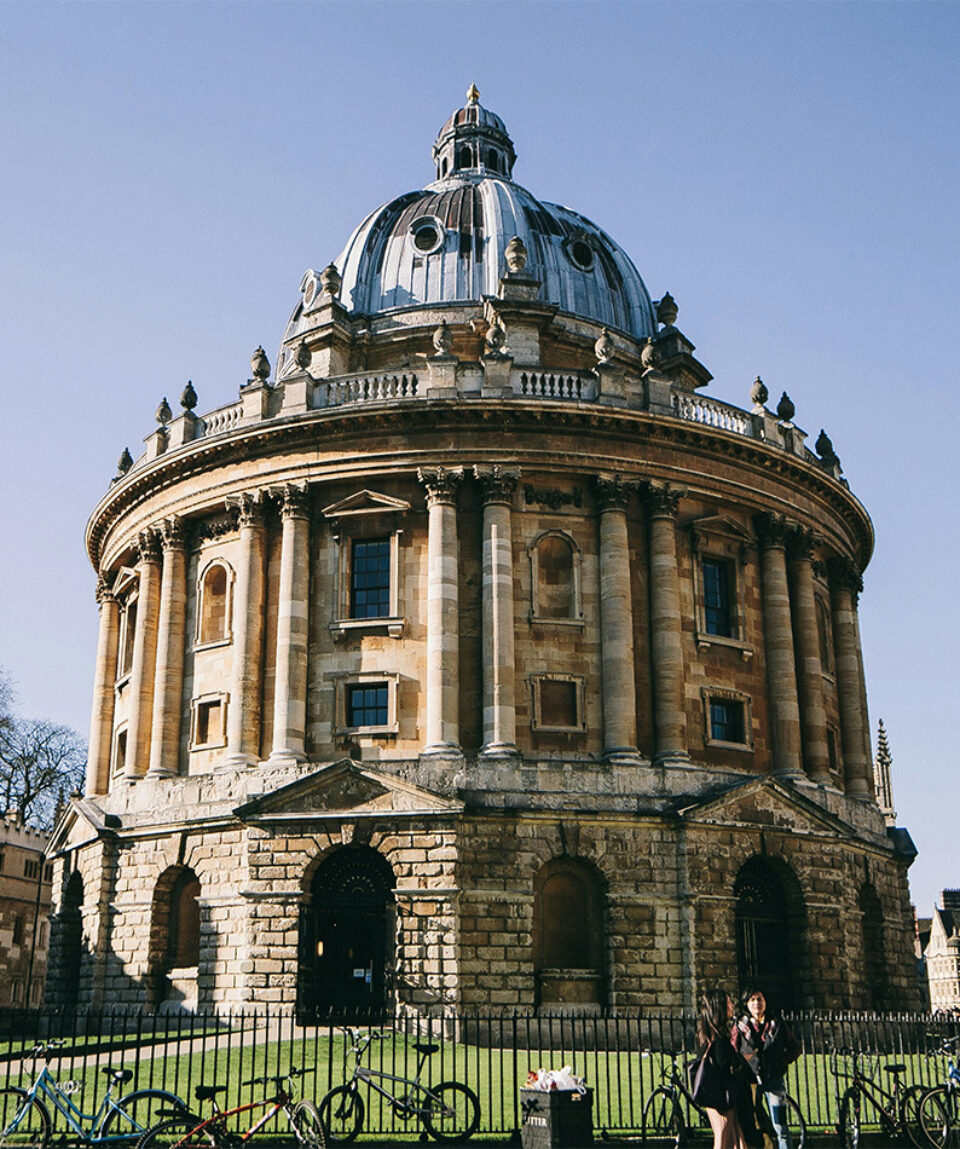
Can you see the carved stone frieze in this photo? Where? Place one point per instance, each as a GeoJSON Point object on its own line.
{"type": "Point", "coordinates": [441, 483]}
{"type": "Point", "coordinates": [551, 498]}
{"type": "Point", "coordinates": [497, 483]}
{"type": "Point", "coordinates": [214, 528]}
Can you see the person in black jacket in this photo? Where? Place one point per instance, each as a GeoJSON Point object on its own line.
{"type": "Point", "coordinates": [728, 1075]}
{"type": "Point", "coordinates": [768, 1046]}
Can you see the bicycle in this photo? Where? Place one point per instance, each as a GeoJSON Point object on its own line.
{"type": "Point", "coordinates": [865, 1102]}
{"type": "Point", "coordinates": [664, 1122]}
{"type": "Point", "coordinates": [449, 1111]}
{"type": "Point", "coordinates": [940, 1106]}
{"type": "Point", "coordinates": [25, 1119]}
{"type": "Point", "coordinates": [192, 1131]}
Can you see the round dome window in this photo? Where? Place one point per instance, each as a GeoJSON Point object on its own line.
{"type": "Point", "coordinates": [426, 234]}
{"type": "Point", "coordinates": [581, 253]}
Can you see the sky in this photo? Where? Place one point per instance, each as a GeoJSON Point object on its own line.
{"type": "Point", "coordinates": [788, 171]}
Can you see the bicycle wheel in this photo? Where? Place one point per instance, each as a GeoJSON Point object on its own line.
{"type": "Point", "coordinates": [307, 1125]}
{"type": "Point", "coordinates": [662, 1123]}
{"type": "Point", "coordinates": [24, 1124]}
{"type": "Point", "coordinates": [910, 1115]}
{"type": "Point", "coordinates": [849, 1122]}
{"type": "Point", "coordinates": [796, 1123]}
{"type": "Point", "coordinates": [452, 1112]}
{"type": "Point", "coordinates": [939, 1118]}
{"type": "Point", "coordinates": [183, 1132]}
{"type": "Point", "coordinates": [134, 1114]}
{"type": "Point", "coordinates": [341, 1114]}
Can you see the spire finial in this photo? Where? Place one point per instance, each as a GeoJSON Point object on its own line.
{"type": "Point", "coordinates": [473, 94]}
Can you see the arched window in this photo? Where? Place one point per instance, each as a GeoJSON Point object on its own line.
{"type": "Point", "coordinates": [824, 637]}
{"type": "Point", "coordinates": [874, 952]}
{"type": "Point", "coordinates": [765, 948]}
{"type": "Point", "coordinates": [464, 157]}
{"type": "Point", "coordinates": [174, 956]}
{"type": "Point", "coordinates": [183, 931]}
{"type": "Point", "coordinates": [555, 578]}
{"type": "Point", "coordinates": [568, 934]}
{"type": "Point", "coordinates": [214, 610]}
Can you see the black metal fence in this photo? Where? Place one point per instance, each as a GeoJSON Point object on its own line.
{"type": "Point", "coordinates": [623, 1057]}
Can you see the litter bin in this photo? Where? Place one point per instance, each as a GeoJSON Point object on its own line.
{"type": "Point", "coordinates": [558, 1119]}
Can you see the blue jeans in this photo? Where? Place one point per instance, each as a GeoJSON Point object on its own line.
{"type": "Point", "coordinates": [779, 1116]}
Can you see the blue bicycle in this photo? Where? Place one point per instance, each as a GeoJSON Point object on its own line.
{"type": "Point", "coordinates": [25, 1118]}
{"type": "Point", "coordinates": [940, 1107]}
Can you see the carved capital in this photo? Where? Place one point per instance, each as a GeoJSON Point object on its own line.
{"type": "Point", "coordinates": [497, 483]}
{"type": "Point", "coordinates": [148, 545]}
{"type": "Point", "coordinates": [294, 501]}
{"type": "Point", "coordinates": [662, 501]}
{"type": "Point", "coordinates": [441, 483]}
{"type": "Point", "coordinates": [844, 575]}
{"type": "Point", "coordinates": [249, 507]}
{"type": "Point", "coordinates": [172, 533]}
{"type": "Point", "coordinates": [800, 544]}
{"type": "Point", "coordinates": [773, 530]}
{"type": "Point", "coordinates": [612, 493]}
{"type": "Point", "coordinates": [104, 591]}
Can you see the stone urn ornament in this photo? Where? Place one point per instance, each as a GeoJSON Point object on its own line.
{"type": "Point", "coordinates": [188, 396]}
{"type": "Point", "coordinates": [785, 409]}
{"type": "Point", "coordinates": [260, 365]}
{"type": "Point", "coordinates": [516, 255]}
{"type": "Point", "coordinates": [303, 356]}
{"type": "Point", "coordinates": [759, 395]}
{"type": "Point", "coordinates": [125, 462]}
{"type": "Point", "coordinates": [163, 413]}
{"type": "Point", "coordinates": [496, 337]}
{"type": "Point", "coordinates": [667, 310]}
{"type": "Point", "coordinates": [331, 281]}
{"type": "Point", "coordinates": [604, 348]}
{"type": "Point", "coordinates": [442, 340]}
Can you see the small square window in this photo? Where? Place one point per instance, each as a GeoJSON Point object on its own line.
{"type": "Point", "coordinates": [370, 578]}
{"type": "Point", "coordinates": [726, 720]}
{"type": "Point", "coordinates": [120, 751]}
{"type": "Point", "coordinates": [209, 725]}
{"type": "Point", "coordinates": [367, 704]}
{"type": "Point", "coordinates": [31, 868]}
{"type": "Point", "coordinates": [558, 703]}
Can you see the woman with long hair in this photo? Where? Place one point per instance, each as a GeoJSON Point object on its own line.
{"type": "Point", "coordinates": [725, 1069]}
{"type": "Point", "coordinates": [768, 1046]}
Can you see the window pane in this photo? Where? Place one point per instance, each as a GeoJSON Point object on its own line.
{"type": "Point", "coordinates": [555, 598]}
{"type": "Point", "coordinates": [213, 626]}
{"type": "Point", "coordinates": [717, 598]}
{"type": "Point", "coordinates": [726, 721]}
{"type": "Point", "coordinates": [370, 579]}
{"type": "Point", "coordinates": [367, 704]}
{"type": "Point", "coordinates": [558, 703]}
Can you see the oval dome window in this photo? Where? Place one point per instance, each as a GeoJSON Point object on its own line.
{"type": "Point", "coordinates": [581, 253]}
{"type": "Point", "coordinates": [427, 235]}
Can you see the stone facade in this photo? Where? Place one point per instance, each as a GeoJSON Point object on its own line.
{"type": "Point", "coordinates": [25, 887]}
{"type": "Point", "coordinates": [478, 660]}
{"type": "Point", "coordinates": [942, 954]}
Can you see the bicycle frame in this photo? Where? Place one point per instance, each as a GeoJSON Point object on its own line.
{"type": "Point", "coordinates": [366, 1074]}
{"type": "Point", "coordinates": [45, 1085]}
{"type": "Point", "coordinates": [274, 1106]}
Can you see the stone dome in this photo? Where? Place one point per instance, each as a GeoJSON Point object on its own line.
{"type": "Point", "coordinates": [445, 244]}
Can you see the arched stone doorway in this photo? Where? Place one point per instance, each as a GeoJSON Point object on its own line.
{"type": "Point", "coordinates": [175, 939]}
{"type": "Point", "coordinates": [770, 931]}
{"type": "Point", "coordinates": [71, 942]}
{"type": "Point", "coordinates": [347, 942]}
{"type": "Point", "coordinates": [874, 950]}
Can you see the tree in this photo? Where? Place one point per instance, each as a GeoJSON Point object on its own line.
{"type": "Point", "coordinates": [40, 763]}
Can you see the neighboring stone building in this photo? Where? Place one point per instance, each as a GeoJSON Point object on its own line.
{"type": "Point", "coordinates": [479, 660]}
{"type": "Point", "coordinates": [25, 884]}
{"type": "Point", "coordinates": [942, 954]}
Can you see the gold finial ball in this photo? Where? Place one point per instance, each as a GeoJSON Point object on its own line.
{"type": "Point", "coordinates": [473, 94]}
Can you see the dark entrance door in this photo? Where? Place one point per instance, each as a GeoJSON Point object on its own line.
{"type": "Point", "coordinates": [764, 955]}
{"type": "Point", "coordinates": [346, 943]}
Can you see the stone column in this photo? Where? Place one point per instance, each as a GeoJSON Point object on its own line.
{"type": "Point", "coordinates": [499, 674]}
{"type": "Point", "coordinates": [443, 612]}
{"type": "Point", "coordinates": [816, 756]}
{"type": "Point", "coordinates": [666, 635]}
{"type": "Point", "coordinates": [845, 585]}
{"type": "Point", "coordinates": [617, 667]}
{"type": "Point", "coordinates": [783, 702]}
{"type": "Point", "coordinates": [171, 632]}
{"type": "Point", "coordinates": [290, 700]}
{"type": "Point", "coordinates": [144, 660]}
{"type": "Point", "coordinates": [243, 710]}
{"type": "Point", "coordinates": [104, 692]}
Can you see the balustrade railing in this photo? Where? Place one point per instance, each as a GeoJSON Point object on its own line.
{"type": "Point", "coordinates": [376, 387]}
{"type": "Point", "coordinates": [552, 385]}
{"type": "Point", "coordinates": [223, 419]}
{"type": "Point", "coordinates": [711, 412]}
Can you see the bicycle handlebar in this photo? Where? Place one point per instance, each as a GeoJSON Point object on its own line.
{"type": "Point", "coordinates": [276, 1078]}
{"type": "Point", "coordinates": [45, 1048]}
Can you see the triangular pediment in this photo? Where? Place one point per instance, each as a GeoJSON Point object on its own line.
{"type": "Point", "coordinates": [720, 526]}
{"type": "Point", "coordinates": [80, 821]}
{"type": "Point", "coordinates": [346, 789]}
{"type": "Point", "coordinates": [766, 802]}
{"type": "Point", "coordinates": [365, 503]}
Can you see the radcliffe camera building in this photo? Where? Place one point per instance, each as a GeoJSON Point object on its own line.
{"type": "Point", "coordinates": [475, 657]}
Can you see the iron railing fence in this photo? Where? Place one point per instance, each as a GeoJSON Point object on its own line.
{"type": "Point", "coordinates": [622, 1056]}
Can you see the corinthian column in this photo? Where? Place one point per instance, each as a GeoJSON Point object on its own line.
{"type": "Point", "coordinates": [243, 712]}
{"type": "Point", "coordinates": [782, 698]}
{"type": "Point", "coordinates": [443, 612]}
{"type": "Point", "coordinates": [171, 627]}
{"type": "Point", "coordinates": [104, 694]}
{"type": "Point", "coordinates": [617, 668]}
{"type": "Point", "coordinates": [666, 635]}
{"type": "Point", "coordinates": [499, 676]}
{"type": "Point", "coordinates": [290, 699]}
{"type": "Point", "coordinates": [144, 661]}
{"type": "Point", "coordinates": [816, 756]}
{"type": "Point", "coordinates": [845, 585]}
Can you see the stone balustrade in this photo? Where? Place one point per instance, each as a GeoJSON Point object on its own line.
{"type": "Point", "coordinates": [553, 385]}
{"type": "Point", "coordinates": [221, 420]}
{"type": "Point", "coordinates": [711, 412]}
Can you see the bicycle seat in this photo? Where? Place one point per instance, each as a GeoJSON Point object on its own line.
{"type": "Point", "coordinates": [425, 1047]}
{"type": "Point", "coordinates": [895, 1069]}
{"type": "Point", "coordinates": [117, 1076]}
{"type": "Point", "coordinates": [205, 1092]}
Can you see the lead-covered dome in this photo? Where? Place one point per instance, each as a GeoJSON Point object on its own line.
{"type": "Point", "coordinates": [446, 243]}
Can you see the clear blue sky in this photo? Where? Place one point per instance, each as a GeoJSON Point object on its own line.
{"type": "Point", "coordinates": [788, 171]}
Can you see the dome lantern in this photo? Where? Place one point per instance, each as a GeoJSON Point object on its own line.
{"type": "Point", "coordinates": [474, 140]}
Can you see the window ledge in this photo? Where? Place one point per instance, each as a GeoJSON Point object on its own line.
{"type": "Point", "coordinates": [213, 644]}
{"type": "Point", "coordinates": [122, 681]}
{"type": "Point", "coordinates": [389, 731]}
{"type": "Point", "coordinates": [393, 626]}
{"type": "Point", "coordinates": [744, 747]}
{"type": "Point", "coordinates": [705, 641]}
{"type": "Point", "coordinates": [546, 620]}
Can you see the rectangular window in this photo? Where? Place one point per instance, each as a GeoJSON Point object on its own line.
{"type": "Point", "coordinates": [367, 704]}
{"type": "Point", "coordinates": [48, 872]}
{"type": "Point", "coordinates": [31, 868]}
{"type": "Point", "coordinates": [209, 723]}
{"type": "Point", "coordinates": [726, 721]}
{"type": "Point", "coordinates": [558, 703]}
{"type": "Point", "coordinates": [120, 751]}
{"type": "Point", "coordinates": [370, 578]}
{"type": "Point", "coordinates": [18, 931]}
{"type": "Point", "coordinates": [129, 633]}
{"type": "Point", "coordinates": [718, 614]}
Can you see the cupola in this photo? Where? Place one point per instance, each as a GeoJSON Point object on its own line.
{"type": "Point", "coordinates": [474, 140]}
